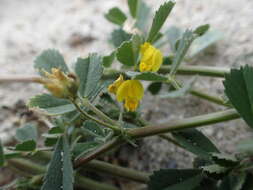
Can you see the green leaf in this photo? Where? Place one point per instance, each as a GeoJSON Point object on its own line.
{"type": "Point", "coordinates": [59, 175]}
{"type": "Point", "coordinates": [195, 142]}
{"type": "Point", "coordinates": [201, 30]}
{"type": "Point", "coordinates": [148, 76]}
{"type": "Point", "coordinates": [51, 141]}
{"type": "Point", "coordinates": [203, 42]}
{"type": "Point", "coordinates": [233, 182]}
{"type": "Point", "coordinates": [93, 129]}
{"type": "Point", "coordinates": [143, 15]}
{"type": "Point", "coordinates": [49, 59]}
{"type": "Point", "coordinates": [125, 54]}
{"type": "Point", "coordinates": [173, 34]}
{"type": "Point", "coordinates": [118, 36]}
{"type": "Point", "coordinates": [28, 132]}
{"type": "Point", "coordinates": [183, 45]}
{"type": "Point", "coordinates": [215, 171]}
{"type": "Point", "coordinates": [173, 179]}
{"type": "Point", "coordinates": [29, 145]}
{"type": "Point", "coordinates": [116, 16]}
{"type": "Point", "coordinates": [155, 87]}
{"type": "Point", "coordinates": [51, 105]}
{"type": "Point", "coordinates": [2, 157]}
{"type": "Point", "coordinates": [108, 60]}
{"type": "Point", "coordinates": [182, 91]}
{"type": "Point", "coordinates": [159, 19]}
{"type": "Point", "coordinates": [133, 7]}
{"type": "Point", "coordinates": [239, 90]}
{"type": "Point", "coordinates": [89, 71]}
{"type": "Point", "coordinates": [80, 149]}
{"type": "Point", "coordinates": [224, 159]}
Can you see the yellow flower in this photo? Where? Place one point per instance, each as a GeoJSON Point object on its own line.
{"type": "Point", "coordinates": [151, 59]}
{"type": "Point", "coordinates": [130, 91]}
{"type": "Point", "coordinates": [115, 85]}
{"type": "Point", "coordinates": [60, 84]}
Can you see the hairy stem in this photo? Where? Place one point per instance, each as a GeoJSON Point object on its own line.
{"type": "Point", "coordinates": [87, 116]}
{"type": "Point", "coordinates": [177, 125]}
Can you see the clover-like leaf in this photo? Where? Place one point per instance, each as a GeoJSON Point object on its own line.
{"type": "Point", "coordinates": [173, 179]}
{"type": "Point", "coordinates": [27, 132]}
{"type": "Point", "coordinates": [49, 59]}
{"type": "Point", "coordinates": [159, 19]}
{"type": "Point", "coordinates": [116, 16]}
{"type": "Point", "coordinates": [59, 175]}
{"type": "Point", "coordinates": [195, 142]}
{"type": "Point", "coordinates": [239, 90]}
{"type": "Point", "coordinates": [50, 105]}
{"type": "Point", "coordinates": [89, 71]}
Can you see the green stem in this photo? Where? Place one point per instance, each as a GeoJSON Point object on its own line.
{"type": "Point", "coordinates": [186, 123]}
{"type": "Point", "coordinates": [192, 122]}
{"type": "Point", "coordinates": [127, 173]}
{"type": "Point", "coordinates": [208, 97]}
{"type": "Point", "coordinates": [87, 116]}
{"type": "Point", "coordinates": [99, 113]}
{"type": "Point", "coordinates": [32, 169]}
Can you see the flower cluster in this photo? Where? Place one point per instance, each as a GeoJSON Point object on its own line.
{"type": "Point", "coordinates": [131, 91]}
{"type": "Point", "coordinates": [60, 84]}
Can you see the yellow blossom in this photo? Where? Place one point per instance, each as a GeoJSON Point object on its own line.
{"type": "Point", "coordinates": [131, 92]}
{"type": "Point", "coordinates": [115, 85]}
{"type": "Point", "coordinates": [60, 84]}
{"type": "Point", "coordinates": [151, 59]}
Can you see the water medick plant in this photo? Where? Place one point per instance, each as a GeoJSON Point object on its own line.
{"type": "Point", "coordinates": [95, 108]}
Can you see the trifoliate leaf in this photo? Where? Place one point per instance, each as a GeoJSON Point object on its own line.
{"type": "Point", "coordinates": [173, 179]}
{"type": "Point", "coordinates": [27, 132]}
{"type": "Point", "coordinates": [133, 7]}
{"type": "Point", "coordinates": [195, 142]}
{"type": "Point", "coordinates": [159, 19]}
{"type": "Point", "coordinates": [116, 16]}
{"type": "Point", "coordinates": [118, 36]}
{"type": "Point", "coordinates": [29, 145]}
{"type": "Point", "coordinates": [108, 60]}
{"type": "Point", "coordinates": [183, 45]}
{"type": "Point", "coordinates": [49, 59]}
{"type": "Point", "coordinates": [51, 105]}
{"type": "Point", "coordinates": [239, 90]}
{"type": "Point", "coordinates": [89, 71]}
{"type": "Point", "coordinates": [59, 175]}
{"type": "Point", "coordinates": [155, 87]}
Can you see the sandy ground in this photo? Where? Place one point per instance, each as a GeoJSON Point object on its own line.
{"type": "Point", "coordinates": [27, 27]}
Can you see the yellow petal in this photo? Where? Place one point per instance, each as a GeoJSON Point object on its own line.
{"type": "Point", "coordinates": [157, 61]}
{"type": "Point", "coordinates": [122, 91]}
{"type": "Point", "coordinates": [131, 104]}
{"type": "Point", "coordinates": [115, 85]}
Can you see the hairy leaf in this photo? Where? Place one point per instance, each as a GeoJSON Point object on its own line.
{"type": "Point", "coordinates": [125, 54]}
{"type": "Point", "coordinates": [51, 105]}
{"type": "Point", "coordinates": [118, 36]}
{"type": "Point", "coordinates": [116, 16]}
{"type": "Point", "coordinates": [59, 175]}
{"type": "Point", "coordinates": [29, 145]}
{"type": "Point", "coordinates": [89, 71]}
{"type": "Point", "coordinates": [239, 90]}
{"type": "Point", "coordinates": [27, 132]}
{"type": "Point", "coordinates": [173, 179]}
{"type": "Point", "coordinates": [49, 59]}
{"type": "Point", "coordinates": [195, 142]}
{"type": "Point", "coordinates": [133, 7]}
{"type": "Point", "coordinates": [159, 19]}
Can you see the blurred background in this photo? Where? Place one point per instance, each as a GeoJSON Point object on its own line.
{"type": "Point", "coordinates": [78, 27]}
